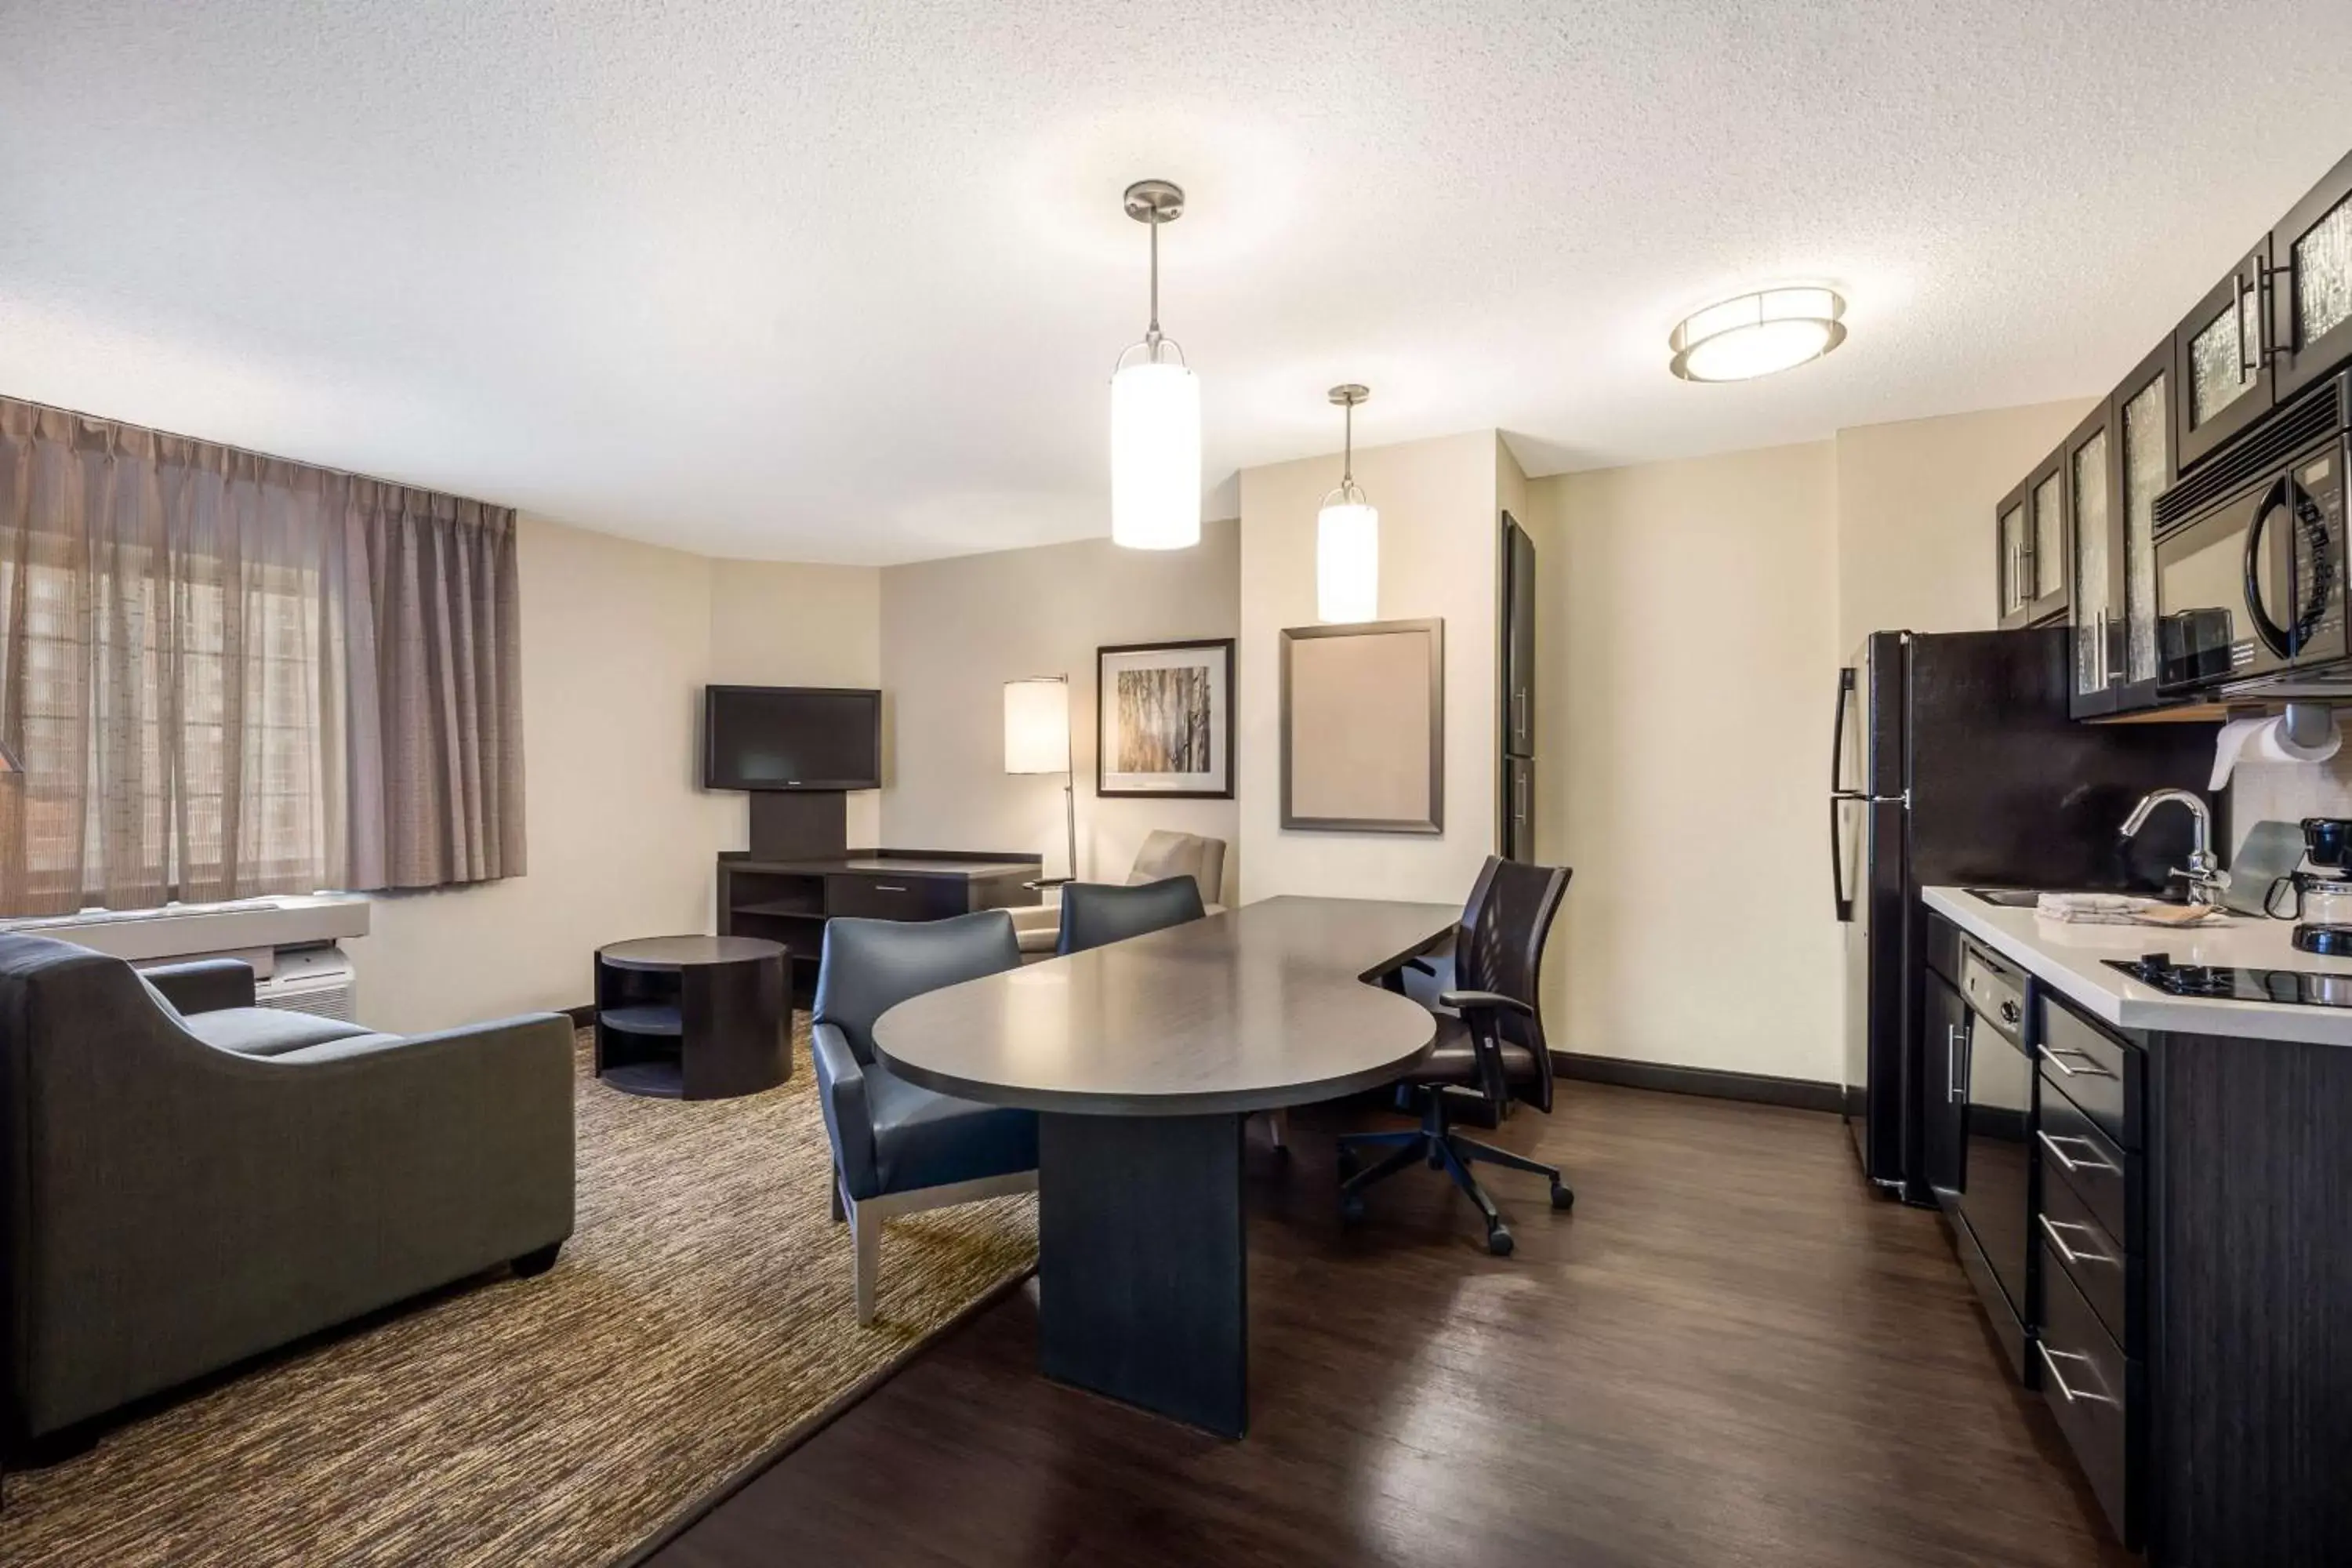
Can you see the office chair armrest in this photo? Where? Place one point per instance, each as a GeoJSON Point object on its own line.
{"type": "Point", "coordinates": [1464, 1001]}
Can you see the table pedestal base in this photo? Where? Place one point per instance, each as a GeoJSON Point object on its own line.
{"type": "Point", "coordinates": [1142, 1289]}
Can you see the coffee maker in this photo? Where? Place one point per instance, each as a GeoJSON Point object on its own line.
{"type": "Point", "coordinates": [2323, 893]}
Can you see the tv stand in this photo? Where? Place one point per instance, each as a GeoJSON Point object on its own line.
{"type": "Point", "coordinates": [788, 899]}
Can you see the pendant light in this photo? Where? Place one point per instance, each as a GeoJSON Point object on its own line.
{"type": "Point", "coordinates": [1155, 413]}
{"type": "Point", "coordinates": [1348, 535]}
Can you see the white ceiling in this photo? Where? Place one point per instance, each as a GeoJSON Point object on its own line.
{"type": "Point", "coordinates": [845, 282]}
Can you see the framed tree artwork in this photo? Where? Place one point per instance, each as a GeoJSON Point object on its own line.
{"type": "Point", "coordinates": [1164, 719]}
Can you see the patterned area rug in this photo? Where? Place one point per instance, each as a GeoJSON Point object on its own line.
{"type": "Point", "coordinates": [699, 1317]}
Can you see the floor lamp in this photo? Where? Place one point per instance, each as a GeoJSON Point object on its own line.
{"type": "Point", "coordinates": [1037, 741]}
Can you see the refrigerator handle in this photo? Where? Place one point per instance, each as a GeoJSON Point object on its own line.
{"type": "Point", "coordinates": [1837, 728]}
{"type": "Point", "coordinates": [1837, 858]}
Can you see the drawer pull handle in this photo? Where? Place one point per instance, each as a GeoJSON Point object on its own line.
{"type": "Point", "coordinates": [2058, 1379]}
{"type": "Point", "coordinates": [2051, 1227]}
{"type": "Point", "coordinates": [890, 886]}
{"type": "Point", "coordinates": [2097, 1162]}
{"type": "Point", "coordinates": [2055, 1055]}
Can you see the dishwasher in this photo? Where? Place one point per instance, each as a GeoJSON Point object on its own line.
{"type": "Point", "coordinates": [1990, 1091]}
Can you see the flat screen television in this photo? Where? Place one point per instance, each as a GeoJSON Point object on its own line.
{"type": "Point", "coordinates": [791, 738]}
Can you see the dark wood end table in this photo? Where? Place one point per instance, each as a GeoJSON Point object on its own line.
{"type": "Point", "coordinates": [693, 1017]}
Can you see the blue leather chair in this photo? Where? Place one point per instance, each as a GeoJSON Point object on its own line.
{"type": "Point", "coordinates": [898, 1148]}
{"type": "Point", "coordinates": [1096, 914]}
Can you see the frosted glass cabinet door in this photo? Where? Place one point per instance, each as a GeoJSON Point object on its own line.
{"type": "Point", "coordinates": [2016, 563]}
{"type": "Point", "coordinates": [2311, 316]}
{"type": "Point", "coordinates": [2049, 534]}
{"type": "Point", "coordinates": [2094, 586]}
{"type": "Point", "coordinates": [2146, 467]}
{"type": "Point", "coordinates": [2221, 362]}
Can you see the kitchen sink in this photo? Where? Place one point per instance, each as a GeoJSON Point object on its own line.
{"type": "Point", "coordinates": [2006, 898]}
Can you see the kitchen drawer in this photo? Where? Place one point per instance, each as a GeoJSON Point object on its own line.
{"type": "Point", "coordinates": [2106, 1272]}
{"type": "Point", "coordinates": [2091, 1386]}
{"type": "Point", "coordinates": [1944, 948]}
{"type": "Point", "coordinates": [877, 895]}
{"type": "Point", "coordinates": [2106, 1178]}
{"type": "Point", "coordinates": [2098, 1072]}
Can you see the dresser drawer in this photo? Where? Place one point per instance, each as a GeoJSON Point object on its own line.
{"type": "Point", "coordinates": [2098, 1072]}
{"type": "Point", "coordinates": [881, 896]}
{"type": "Point", "coordinates": [2105, 1271]}
{"type": "Point", "coordinates": [2074, 1150]}
{"type": "Point", "coordinates": [2090, 1386]}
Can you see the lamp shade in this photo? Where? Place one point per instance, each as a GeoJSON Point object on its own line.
{"type": "Point", "coordinates": [1348, 562]}
{"type": "Point", "coordinates": [1038, 726]}
{"type": "Point", "coordinates": [1155, 456]}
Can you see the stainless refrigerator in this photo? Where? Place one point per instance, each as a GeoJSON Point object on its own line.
{"type": "Point", "coordinates": [1956, 763]}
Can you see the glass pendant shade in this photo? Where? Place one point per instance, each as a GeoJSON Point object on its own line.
{"type": "Point", "coordinates": [1347, 559]}
{"type": "Point", "coordinates": [1155, 456]}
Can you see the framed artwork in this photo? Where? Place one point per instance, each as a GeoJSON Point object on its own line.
{"type": "Point", "coordinates": [1164, 719]}
{"type": "Point", "coordinates": [1363, 727]}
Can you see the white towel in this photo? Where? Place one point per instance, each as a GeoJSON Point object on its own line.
{"type": "Point", "coordinates": [2116, 909]}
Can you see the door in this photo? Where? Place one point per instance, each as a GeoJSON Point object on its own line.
{"type": "Point", "coordinates": [2015, 570]}
{"type": "Point", "coordinates": [1947, 1039]}
{"type": "Point", "coordinates": [1520, 638]}
{"type": "Point", "coordinates": [2045, 511]}
{"type": "Point", "coordinates": [2221, 362]}
{"type": "Point", "coordinates": [1519, 809]}
{"type": "Point", "coordinates": [2094, 565]}
{"type": "Point", "coordinates": [2141, 434]}
{"type": "Point", "coordinates": [2311, 290]}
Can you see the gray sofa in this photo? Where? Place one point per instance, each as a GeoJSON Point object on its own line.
{"type": "Point", "coordinates": [191, 1180]}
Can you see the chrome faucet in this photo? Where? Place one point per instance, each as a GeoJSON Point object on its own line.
{"type": "Point", "coordinates": [2207, 880]}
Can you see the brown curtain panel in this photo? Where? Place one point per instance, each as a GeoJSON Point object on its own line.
{"type": "Point", "coordinates": [230, 674]}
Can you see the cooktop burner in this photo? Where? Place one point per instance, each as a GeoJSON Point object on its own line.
{"type": "Point", "coordinates": [2305, 988]}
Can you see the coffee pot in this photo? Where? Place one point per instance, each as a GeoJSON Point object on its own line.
{"type": "Point", "coordinates": [2322, 894]}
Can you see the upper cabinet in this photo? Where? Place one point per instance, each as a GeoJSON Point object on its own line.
{"type": "Point", "coordinates": [2015, 538]}
{"type": "Point", "coordinates": [2220, 360]}
{"type": "Point", "coordinates": [2311, 285]}
{"type": "Point", "coordinates": [2095, 574]}
{"type": "Point", "coordinates": [2139, 435]}
{"type": "Point", "coordinates": [2032, 528]}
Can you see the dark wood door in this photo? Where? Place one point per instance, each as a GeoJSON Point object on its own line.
{"type": "Point", "coordinates": [2311, 285]}
{"type": "Point", "coordinates": [2139, 438]}
{"type": "Point", "coordinates": [2094, 578]}
{"type": "Point", "coordinates": [1947, 1092]}
{"type": "Point", "coordinates": [2220, 362]}
{"type": "Point", "coordinates": [1518, 639]}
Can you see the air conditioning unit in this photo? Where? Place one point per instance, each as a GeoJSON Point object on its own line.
{"type": "Point", "coordinates": [309, 980]}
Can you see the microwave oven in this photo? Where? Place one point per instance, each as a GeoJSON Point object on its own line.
{"type": "Point", "coordinates": [2251, 564]}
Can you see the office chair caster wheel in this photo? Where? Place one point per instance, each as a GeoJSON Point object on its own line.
{"type": "Point", "coordinates": [1351, 1209]}
{"type": "Point", "coordinates": [1498, 1242]}
{"type": "Point", "coordinates": [1562, 1197]}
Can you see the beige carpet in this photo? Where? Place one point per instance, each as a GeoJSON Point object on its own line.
{"type": "Point", "coordinates": [699, 1316]}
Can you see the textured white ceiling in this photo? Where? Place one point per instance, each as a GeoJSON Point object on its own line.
{"type": "Point", "coordinates": [844, 280]}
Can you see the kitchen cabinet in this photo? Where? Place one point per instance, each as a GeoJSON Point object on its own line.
{"type": "Point", "coordinates": [2139, 434]}
{"type": "Point", "coordinates": [2014, 537]}
{"type": "Point", "coordinates": [2094, 568]}
{"type": "Point", "coordinates": [2031, 528]}
{"type": "Point", "coordinates": [2310, 292]}
{"type": "Point", "coordinates": [2220, 361]}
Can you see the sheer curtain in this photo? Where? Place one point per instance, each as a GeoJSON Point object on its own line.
{"type": "Point", "coordinates": [230, 674]}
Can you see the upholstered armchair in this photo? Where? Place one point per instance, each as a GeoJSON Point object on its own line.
{"type": "Point", "coordinates": [194, 1180]}
{"type": "Point", "coordinates": [1162, 855]}
{"type": "Point", "coordinates": [898, 1148]}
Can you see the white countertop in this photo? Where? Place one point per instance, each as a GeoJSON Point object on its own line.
{"type": "Point", "coordinates": [2071, 958]}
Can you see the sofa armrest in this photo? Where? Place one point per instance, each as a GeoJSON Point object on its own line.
{"type": "Point", "coordinates": [848, 1119]}
{"type": "Point", "coordinates": [1030, 918]}
{"type": "Point", "coordinates": [206, 986]}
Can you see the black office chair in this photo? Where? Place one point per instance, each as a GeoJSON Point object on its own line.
{"type": "Point", "coordinates": [1096, 913]}
{"type": "Point", "coordinates": [1490, 1046]}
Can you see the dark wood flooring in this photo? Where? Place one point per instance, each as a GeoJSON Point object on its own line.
{"type": "Point", "coordinates": [1726, 1353]}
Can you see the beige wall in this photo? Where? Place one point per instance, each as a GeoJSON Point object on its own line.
{"type": "Point", "coordinates": [954, 631]}
{"type": "Point", "coordinates": [1437, 504]}
{"type": "Point", "coordinates": [618, 639]}
{"type": "Point", "coordinates": [1914, 514]}
{"type": "Point", "coordinates": [1689, 619]}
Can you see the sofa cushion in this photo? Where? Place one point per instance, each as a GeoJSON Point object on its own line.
{"type": "Point", "coordinates": [923, 1139]}
{"type": "Point", "coordinates": [267, 1031]}
{"type": "Point", "coordinates": [337, 1051]}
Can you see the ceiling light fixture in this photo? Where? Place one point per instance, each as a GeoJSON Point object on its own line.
{"type": "Point", "coordinates": [1155, 413]}
{"type": "Point", "coordinates": [1757, 333]}
{"type": "Point", "coordinates": [1348, 534]}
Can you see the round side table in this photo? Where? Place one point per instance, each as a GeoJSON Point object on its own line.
{"type": "Point", "coordinates": [693, 1017]}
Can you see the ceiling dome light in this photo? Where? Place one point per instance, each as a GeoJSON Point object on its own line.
{"type": "Point", "coordinates": [1155, 413]}
{"type": "Point", "coordinates": [1348, 535]}
{"type": "Point", "coordinates": [1756, 334]}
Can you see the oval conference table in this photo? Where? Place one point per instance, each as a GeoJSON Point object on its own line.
{"type": "Point", "coordinates": [1141, 1058]}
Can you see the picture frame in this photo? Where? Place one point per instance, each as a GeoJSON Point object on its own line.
{"type": "Point", "coordinates": [1363, 727]}
{"type": "Point", "coordinates": [1164, 719]}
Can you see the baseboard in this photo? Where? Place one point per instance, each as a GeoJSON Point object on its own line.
{"type": "Point", "coordinates": [1760, 1088]}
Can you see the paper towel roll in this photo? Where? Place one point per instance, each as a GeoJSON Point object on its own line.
{"type": "Point", "coordinates": [2265, 740]}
